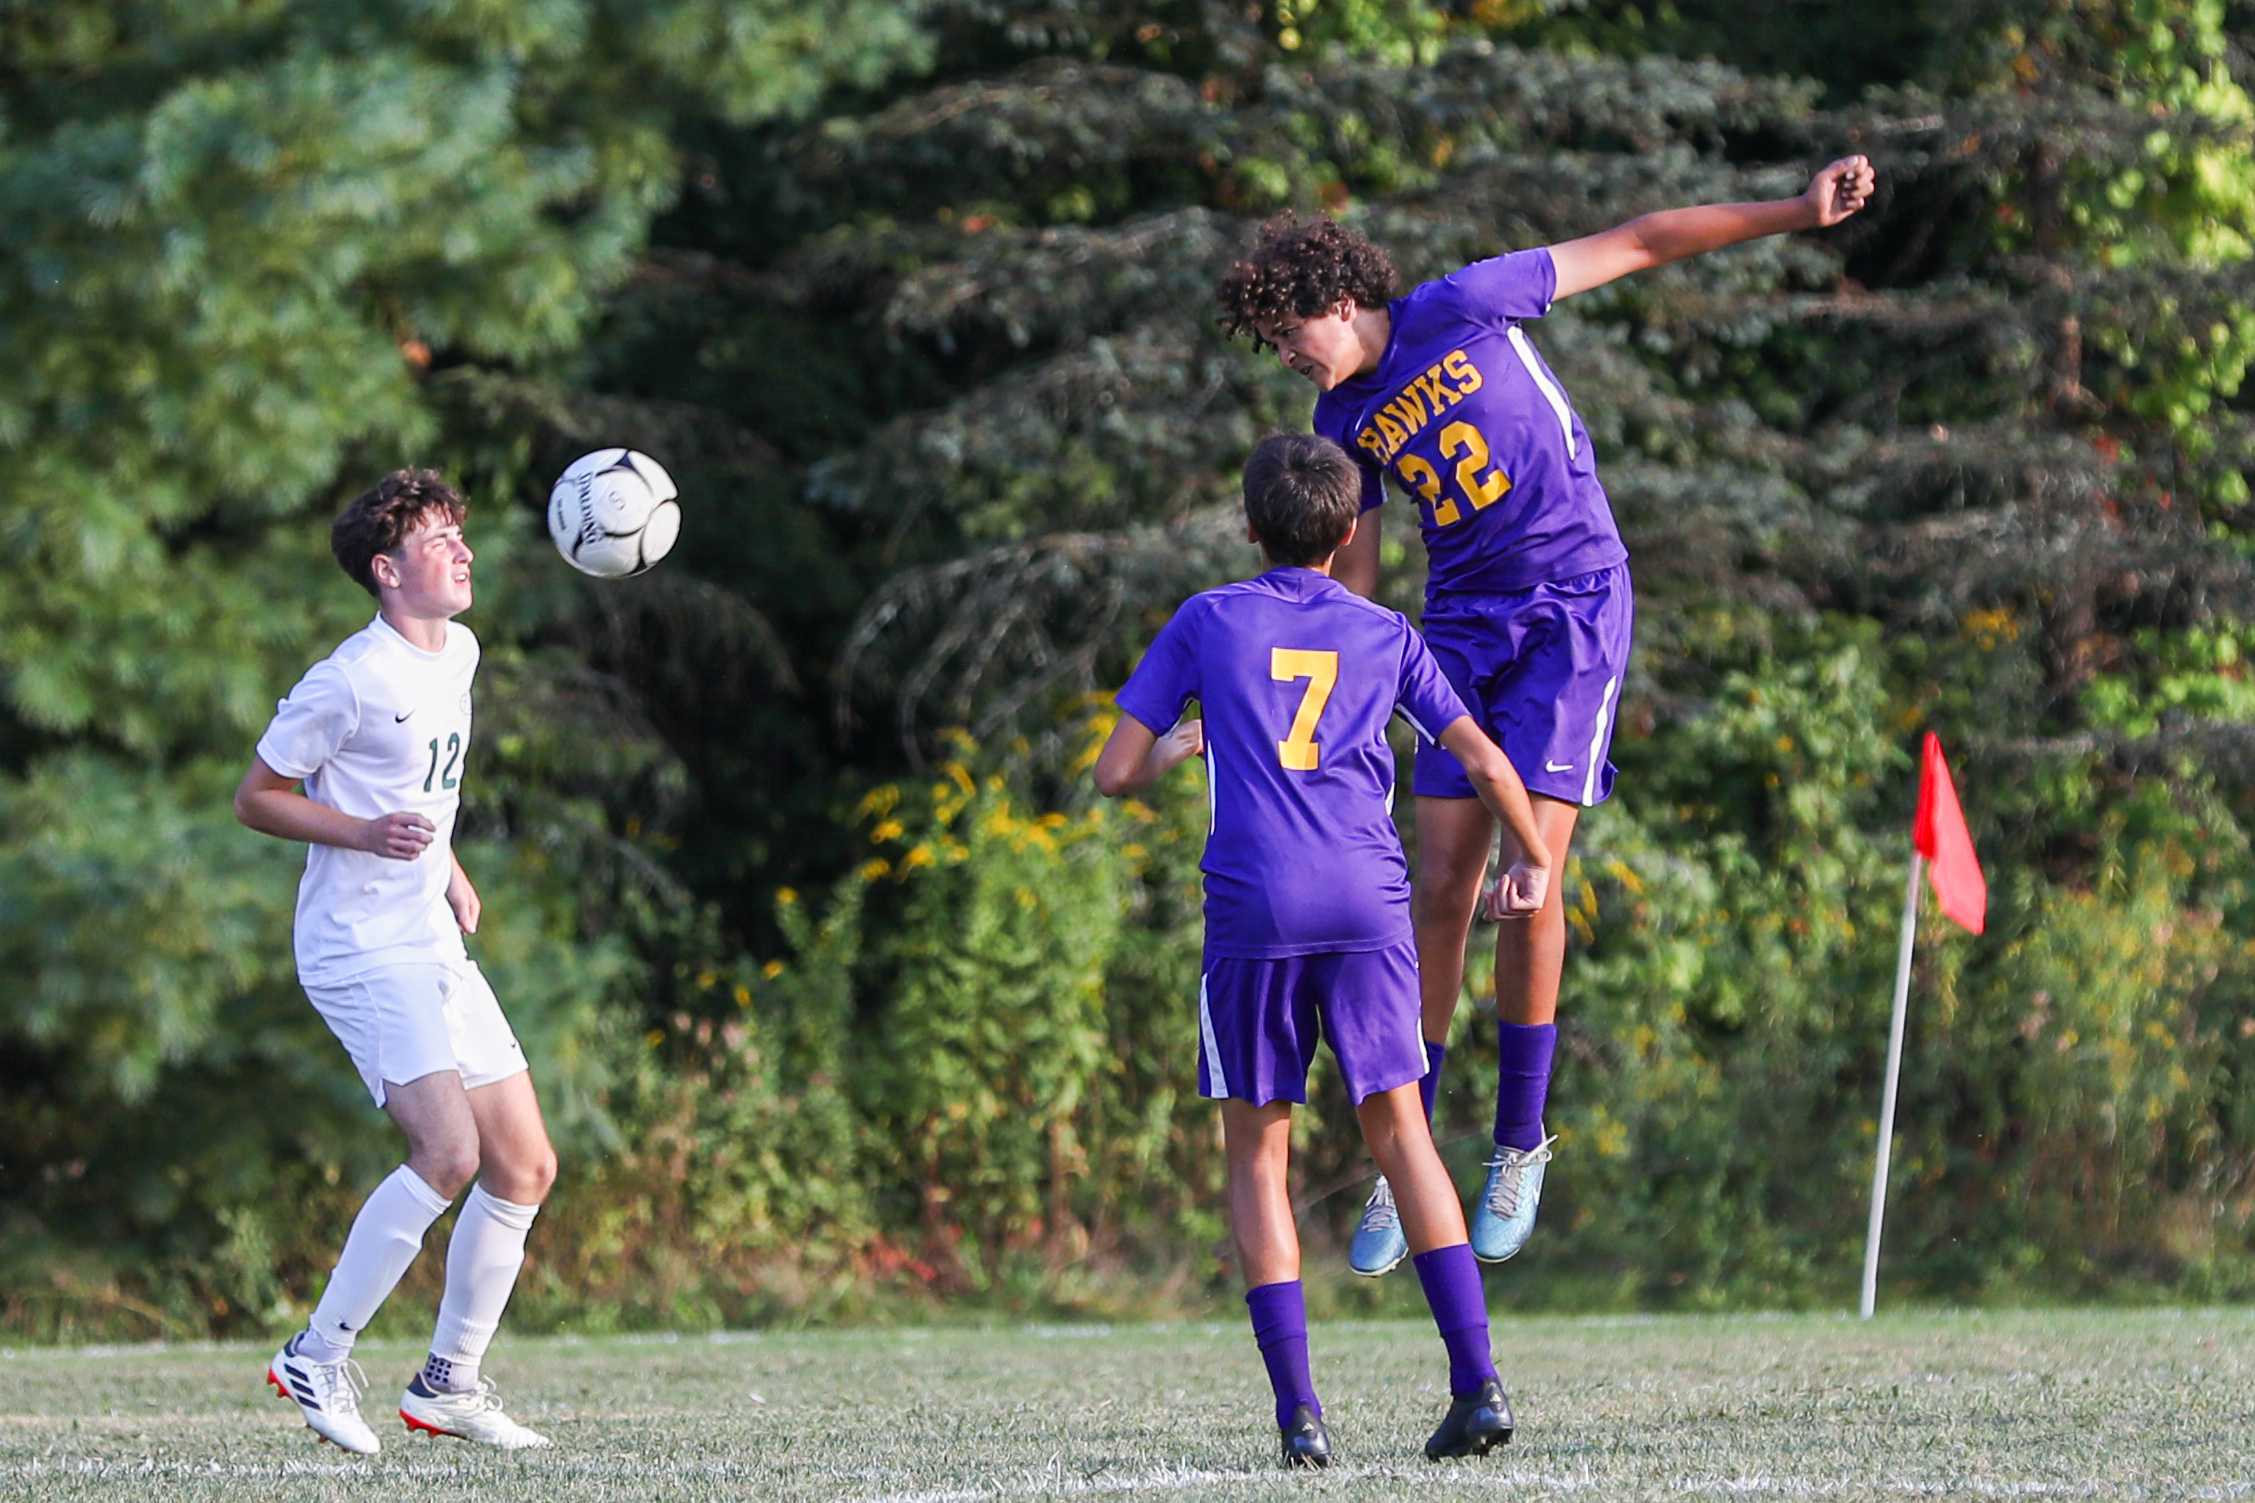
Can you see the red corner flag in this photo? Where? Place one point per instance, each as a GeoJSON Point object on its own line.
{"type": "Point", "coordinates": [1941, 837]}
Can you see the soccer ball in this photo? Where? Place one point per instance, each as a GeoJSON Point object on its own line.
{"type": "Point", "coordinates": [613, 513]}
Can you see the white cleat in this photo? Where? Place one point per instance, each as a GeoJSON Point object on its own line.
{"type": "Point", "coordinates": [475, 1415]}
{"type": "Point", "coordinates": [328, 1395]}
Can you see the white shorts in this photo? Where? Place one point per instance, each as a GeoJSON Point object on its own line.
{"type": "Point", "coordinates": [405, 1021]}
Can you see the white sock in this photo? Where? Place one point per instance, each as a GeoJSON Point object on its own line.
{"type": "Point", "coordinates": [385, 1237]}
{"type": "Point", "coordinates": [482, 1259]}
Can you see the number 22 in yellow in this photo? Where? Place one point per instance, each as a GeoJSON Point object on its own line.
{"type": "Point", "coordinates": [1298, 751]}
{"type": "Point", "coordinates": [1483, 491]}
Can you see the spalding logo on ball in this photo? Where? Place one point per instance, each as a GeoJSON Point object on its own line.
{"type": "Point", "coordinates": [613, 513]}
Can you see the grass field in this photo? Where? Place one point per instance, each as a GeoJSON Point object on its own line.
{"type": "Point", "coordinates": [2017, 1405]}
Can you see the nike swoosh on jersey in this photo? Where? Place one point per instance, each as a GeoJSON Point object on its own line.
{"type": "Point", "coordinates": [396, 719]}
{"type": "Point", "coordinates": [1550, 766]}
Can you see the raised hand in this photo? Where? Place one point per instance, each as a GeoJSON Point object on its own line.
{"type": "Point", "coordinates": [1840, 189]}
{"type": "Point", "coordinates": [402, 837]}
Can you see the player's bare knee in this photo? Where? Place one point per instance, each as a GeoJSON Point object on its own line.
{"type": "Point", "coordinates": [447, 1167]}
{"type": "Point", "coordinates": [520, 1168]}
{"type": "Point", "coordinates": [1444, 902]}
{"type": "Point", "coordinates": [1388, 1121]}
{"type": "Point", "coordinates": [1452, 868]}
{"type": "Point", "coordinates": [536, 1178]}
{"type": "Point", "coordinates": [1448, 881]}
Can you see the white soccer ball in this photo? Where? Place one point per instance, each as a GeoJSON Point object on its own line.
{"type": "Point", "coordinates": [613, 513]}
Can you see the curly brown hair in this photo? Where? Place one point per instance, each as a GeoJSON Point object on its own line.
{"type": "Point", "coordinates": [379, 520]}
{"type": "Point", "coordinates": [1300, 268]}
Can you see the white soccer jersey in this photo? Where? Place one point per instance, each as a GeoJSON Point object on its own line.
{"type": "Point", "coordinates": [378, 727]}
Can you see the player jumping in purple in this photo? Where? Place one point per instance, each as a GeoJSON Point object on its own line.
{"type": "Point", "coordinates": [1308, 928]}
{"type": "Point", "coordinates": [1528, 605]}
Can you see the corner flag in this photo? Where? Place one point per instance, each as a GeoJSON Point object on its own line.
{"type": "Point", "coordinates": [1937, 834]}
{"type": "Point", "coordinates": [1941, 837]}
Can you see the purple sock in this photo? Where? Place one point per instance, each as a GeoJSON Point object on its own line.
{"type": "Point", "coordinates": [1280, 1327]}
{"type": "Point", "coordinates": [1451, 1277]}
{"type": "Point", "coordinates": [1523, 1054]}
{"type": "Point", "coordinates": [1436, 1055]}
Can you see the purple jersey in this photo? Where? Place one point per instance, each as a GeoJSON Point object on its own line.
{"type": "Point", "coordinates": [1465, 415]}
{"type": "Point", "coordinates": [1297, 677]}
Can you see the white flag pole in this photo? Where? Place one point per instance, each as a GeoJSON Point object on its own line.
{"type": "Point", "coordinates": [1887, 1097]}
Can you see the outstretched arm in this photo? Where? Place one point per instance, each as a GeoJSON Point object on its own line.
{"type": "Point", "coordinates": [1134, 758]}
{"type": "Point", "coordinates": [1675, 234]}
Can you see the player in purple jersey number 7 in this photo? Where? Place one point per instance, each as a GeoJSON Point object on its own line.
{"type": "Point", "coordinates": [1528, 604]}
{"type": "Point", "coordinates": [1308, 930]}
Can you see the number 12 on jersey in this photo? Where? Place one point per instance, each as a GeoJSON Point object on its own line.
{"type": "Point", "coordinates": [453, 756]}
{"type": "Point", "coordinates": [1298, 751]}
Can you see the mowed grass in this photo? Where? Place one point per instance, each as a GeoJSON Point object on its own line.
{"type": "Point", "coordinates": [2148, 1404]}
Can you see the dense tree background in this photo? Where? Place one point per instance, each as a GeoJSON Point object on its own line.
{"type": "Point", "coordinates": [841, 993]}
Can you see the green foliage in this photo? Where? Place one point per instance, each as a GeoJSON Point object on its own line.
{"type": "Point", "coordinates": [2199, 674]}
{"type": "Point", "coordinates": [914, 301]}
{"type": "Point", "coordinates": [1718, 1029]}
{"type": "Point", "coordinates": [960, 1082]}
{"type": "Point", "coordinates": [132, 915]}
{"type": "Point", "coordinates": [2106, 1131]}
{"type": "Point", "coordinates": [993, 1026]}
{"type": "Point", "coordinates": [238, 238]}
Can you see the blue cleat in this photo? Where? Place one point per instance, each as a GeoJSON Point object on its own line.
{"type": "Point", "coordinates": [1505, 1217]}
{"type": "Point", "coordinates": [1379, 1244]}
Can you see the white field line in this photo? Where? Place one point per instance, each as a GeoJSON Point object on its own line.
{"type": "Point", "coordinates": [1516, 1479]}
{"type": "Point", "coordinates": [1054, 1482]}
{"type": "Point", "coordinates": [1176, 1480]}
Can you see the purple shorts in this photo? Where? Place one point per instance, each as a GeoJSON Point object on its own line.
{"type": "Point", "coordinates": [1540, 669]}
{"type": "Point", "coordinates": [1258, 1021]}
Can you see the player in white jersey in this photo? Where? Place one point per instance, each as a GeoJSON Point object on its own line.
{"type": "Point", "coordinates": [378, 733]}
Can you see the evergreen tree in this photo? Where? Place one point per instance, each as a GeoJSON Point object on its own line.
{"type": "Point", "coordinates": [241, 241]}
{"type": "Point", "coordinates": [916, 304]}
{"type": "Point", "coordinates": [1972, 461]}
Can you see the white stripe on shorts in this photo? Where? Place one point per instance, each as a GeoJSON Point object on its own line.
{"type": "Point", "coordinates": [1597, 742]}
{"type": "Point", "coordinates": [1215, 1077]}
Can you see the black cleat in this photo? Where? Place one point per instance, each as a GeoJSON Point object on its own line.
{"type": "Point", "coordinates": [1306, 1442]}
{"type": "Point", "coordinates": [1475, 1425]}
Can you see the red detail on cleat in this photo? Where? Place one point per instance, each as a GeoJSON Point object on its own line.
{"type": "Point", "coordinates": [279, 1391]}
{"type": "Point", "coordinates": [414, 1424]}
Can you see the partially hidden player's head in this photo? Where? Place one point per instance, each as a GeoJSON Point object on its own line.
{"type": "Point", "coordinates": [1314, 290]}
{"type": "Point", "coordinates": [1303, 496]}
{"type": "Point", "coordinates": [402, 542]}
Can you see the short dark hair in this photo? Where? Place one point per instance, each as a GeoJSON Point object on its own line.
{"type": "Point", "coordinates": [380, 519]}
{"type": "Point", "coordinates": [1302, 496]}
{"type": "Point", "coordinates": [1300, 268]}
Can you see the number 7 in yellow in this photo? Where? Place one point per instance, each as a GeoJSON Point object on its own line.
{"type": "Point", "coordinates": [1298, 751]}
